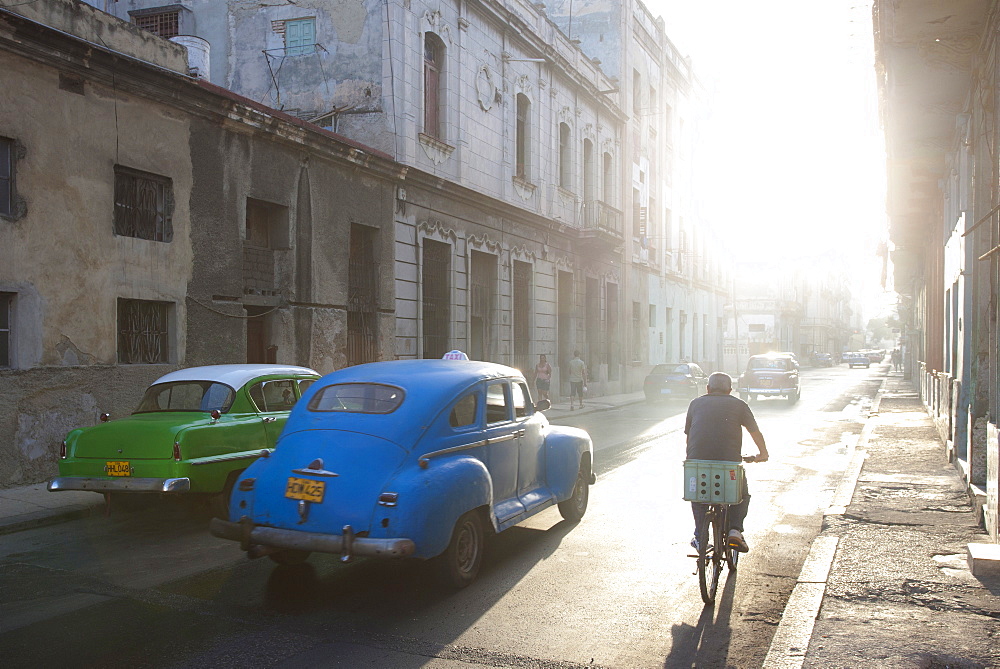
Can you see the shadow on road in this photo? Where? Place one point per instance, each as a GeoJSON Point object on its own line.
{"type": "Point", "coordinates": [704, 644]}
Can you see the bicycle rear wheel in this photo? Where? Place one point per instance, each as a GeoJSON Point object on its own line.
{"type": "Point", "coordinates": [710, 555]}
{"type": "Point", "coordinates": [732, 555]}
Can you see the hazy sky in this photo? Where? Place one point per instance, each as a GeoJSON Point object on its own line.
{"type": "Point", "coordinates": [796, 150]}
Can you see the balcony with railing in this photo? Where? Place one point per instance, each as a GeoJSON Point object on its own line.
{"type": "Point", "coordinates": [601, 219]}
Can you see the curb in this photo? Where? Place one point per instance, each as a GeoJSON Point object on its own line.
{"type": "Point", "coordinates": [790, 642]}
{"type": "Point", "coordinates": [35, 519]}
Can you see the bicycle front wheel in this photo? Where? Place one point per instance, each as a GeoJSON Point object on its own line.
{"type": "Point", "coordinates": [710, 556]}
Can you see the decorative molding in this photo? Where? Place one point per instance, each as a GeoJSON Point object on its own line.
{"type": "Point", "coordinates": [435, 149]}
{"type": "Point", "coordinates": [463, 23]}
{"type": "Point", "coordinates": [435, 21]}
{"type": "Point", "coordinates": [486, 88]}
{"type": "Point", "coordinates": [524, 188]}
{"type": "Point", "coordinates": [523, 84]}
{"type": "Point", "coordinates": [436, 229]}
{"type": "Point", "coordinates": [566, 116]}
{"type": "Point", "coordinates": [483, 242]}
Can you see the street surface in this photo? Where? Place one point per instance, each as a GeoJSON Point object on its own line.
{"type": "Point", "coordinates": [150, 587]}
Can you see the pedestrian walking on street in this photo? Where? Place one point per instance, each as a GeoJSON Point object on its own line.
{"type": "Point", "coordinates": [543, 377]}
{"type": "Point", "coordinates": [897, 359]}
{"type": "Point", "coordinates": [577, 378]}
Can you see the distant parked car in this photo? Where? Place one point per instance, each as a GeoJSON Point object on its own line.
{"type": "Point", "coordinates": [857, 359]}
{"type": "Point", "coordinates": [409, 458]}
{"type": "Point", "coordinates": [194, 431]}
{"type": "Point", "coordinates": [876, 356]}
{"type": "Point", "coordinates": [676, 380]}
{"type": "Point", "coordinates": [770, 375]}
{"type": "Point", "coordinates": [822, 359]}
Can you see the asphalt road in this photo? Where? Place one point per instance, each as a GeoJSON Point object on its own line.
{"type": "Point", "coordinates": [150, 586]}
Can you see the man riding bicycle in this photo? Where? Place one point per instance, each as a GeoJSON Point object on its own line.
{"type": "Point", "coordinates": [714, 429]}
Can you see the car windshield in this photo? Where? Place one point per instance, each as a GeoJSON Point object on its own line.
{"type": "Point", "coordinates": [187, 396]}
{"type": "Point", "coordinates": [769, 363]}
{"type": "Point", "coordinates": [357, 398]}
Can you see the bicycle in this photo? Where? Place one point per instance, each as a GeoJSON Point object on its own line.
{"type": "Point", "coordinates": [709, 480]}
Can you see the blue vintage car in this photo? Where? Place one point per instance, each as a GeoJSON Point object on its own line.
{"type": "Point", "coordinates": [409, 458]}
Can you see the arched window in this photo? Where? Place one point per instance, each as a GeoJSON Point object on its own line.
{"type": "Point", "coordinates": [433, 84]}
{"type": "Point", "coordinates": [521, 137]}
{"type": "Point", "coordinates": [589, 172]}
{"type": "Point", "coordinates": [565, 157]}
{"type": "Point", "coordinates": [609, 180]}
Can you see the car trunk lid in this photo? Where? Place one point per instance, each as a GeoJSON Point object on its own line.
{"type": "Point", "coordinates": [322, 480]}
{"type": "Point", "coordinates": [147, 436]}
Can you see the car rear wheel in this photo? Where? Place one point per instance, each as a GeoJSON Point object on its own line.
{"type": "Point", "coordinates": [575, 507]}
{"type": "Point", "coordinates": [462, 559]}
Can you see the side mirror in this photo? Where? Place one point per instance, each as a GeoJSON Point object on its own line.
{"type": "Point", "coordinates": [542, 405]}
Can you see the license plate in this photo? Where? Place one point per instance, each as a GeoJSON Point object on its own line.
{"type": "Point", "coordinates": [304, 489]}
{"type": "Point", "coordinates": [765, 383]}
{"type": "Point", "coordinates": [118, 469]}
{"type": "Point", "coordinates": [665, 391]}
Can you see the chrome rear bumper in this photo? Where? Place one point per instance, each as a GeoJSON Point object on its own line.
{"type": "Point", "coordinates": [346, 544]}
{"type": "Point", "coordinates": [121, 484]}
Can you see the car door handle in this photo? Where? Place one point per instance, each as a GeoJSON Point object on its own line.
{"type": "Point", "coordinates": [520, 433]}
{"type": "Point", "coordinates": [269, 419]}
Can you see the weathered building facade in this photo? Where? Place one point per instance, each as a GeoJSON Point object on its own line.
{"type": "Point", "coordinates": [937, 63]}
{"type": "Point", "coordinates": [152, 221]}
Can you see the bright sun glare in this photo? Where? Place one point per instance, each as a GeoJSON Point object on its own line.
{"type": "Point", "coordinates": [795, 149]}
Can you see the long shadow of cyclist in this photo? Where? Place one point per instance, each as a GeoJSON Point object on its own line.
{"type": "Point", "coordinates": [707, 643]}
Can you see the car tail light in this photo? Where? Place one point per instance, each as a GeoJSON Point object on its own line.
{"type": "Point", "coordinates": [62, 451]}
{"type": "Point", "coordinates": [177, 451]}
{"type": "Point", "coordinates": [388, 499]}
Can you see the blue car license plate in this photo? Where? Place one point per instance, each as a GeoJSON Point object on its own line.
{"type": "Point", "coordinates": [304, 489]}
{"type": "Point", "coordinates": [665, 391]}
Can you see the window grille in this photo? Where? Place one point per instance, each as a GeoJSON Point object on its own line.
{"type": "Point", "coordinates": [144, 205]}
{"type": "Point", "coordinates": [142, 332]}
{"type": "Point", "coordinates": [164, 24]}
{"type": "Point", "coordinates": [482, 304]}
{"type": "Point", "coordinates": [436, 290]}
{"type": "Point", "coordinates": [6, 316]}
{"type": "Point", "coordinates": [362, 296]}
{"type": "Point", "coordinates": [522, 316]}
{"type": "Point", "coordinates": [6, 176]}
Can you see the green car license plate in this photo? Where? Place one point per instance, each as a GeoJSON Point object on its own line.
{"type": "Point", "coordinates": [304, 489]}
{"type": "Point", "coordinates": [118, 468]}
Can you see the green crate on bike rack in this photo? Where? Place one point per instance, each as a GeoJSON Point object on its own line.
{"type": "Point", "coordinates": [711, 481]}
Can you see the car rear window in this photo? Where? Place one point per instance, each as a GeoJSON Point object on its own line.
{"type": "Point", "coordinates": [357, 398]}
{"type": "Point", "coordinates": [769, 363]}
{"type": "Point", "coordinates": [671, 369]}
{"type": "Point", "coordinates": [187, 396]}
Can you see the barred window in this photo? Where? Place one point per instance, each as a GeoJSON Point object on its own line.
{"type": "Point", "coordinates": [164, 24]}
{"type": "Point", "coordinates": [6, 176]}
{"type": "Point", "coordinates": [144, 205]}
{"type": "Point", "coordinates": [143, 336]}
{"type": "Point", "coordinates": [6, 316]}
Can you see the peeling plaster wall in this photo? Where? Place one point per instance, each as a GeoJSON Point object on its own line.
{"type": "Point", "coordinates": [64, 263]}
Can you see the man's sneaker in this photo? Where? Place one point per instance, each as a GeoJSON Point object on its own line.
{"type": "Point", "coordinates": [694, 542]}
{"type": "Point", "coordinates": [737, 541]}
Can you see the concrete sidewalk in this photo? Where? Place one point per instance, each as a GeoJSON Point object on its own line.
{"type": "Point", "coordinates": [888, 580]}
{"type": "Point", "coordinates": [30, 506]}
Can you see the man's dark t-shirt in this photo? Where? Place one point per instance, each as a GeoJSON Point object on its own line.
{"type": "Point", "coordinates": [714, 427]}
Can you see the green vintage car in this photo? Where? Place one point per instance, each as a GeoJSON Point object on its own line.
{"type": "Point", "coordinates": [194, 431]}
